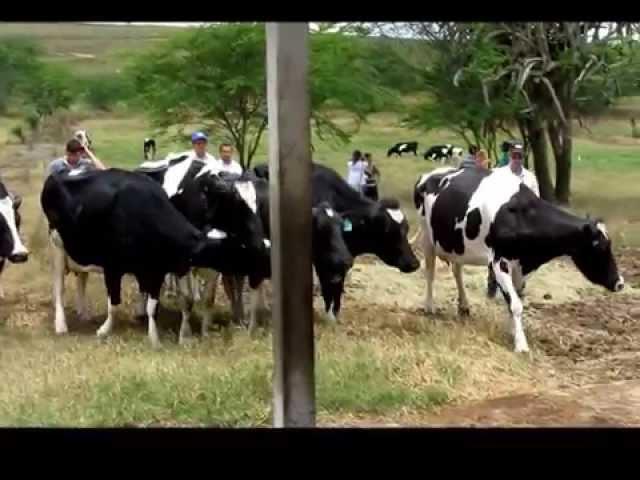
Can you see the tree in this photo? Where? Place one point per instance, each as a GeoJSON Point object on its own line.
{"type": "Point", "coordinates": [18, 62]}
{"type": "Point", "coordinates": [215, 76]}
{"type": "Point", "coordinates": [560, 71]}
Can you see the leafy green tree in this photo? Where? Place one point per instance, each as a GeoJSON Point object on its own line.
{"type": "Point", "coordinates": [215, 76]}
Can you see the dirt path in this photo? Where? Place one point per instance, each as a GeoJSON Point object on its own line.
{"type": "Point", "coordinates": [591, 340]}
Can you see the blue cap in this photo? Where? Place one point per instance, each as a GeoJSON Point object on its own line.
{"type": "Point", "coordinates": [198, 136]}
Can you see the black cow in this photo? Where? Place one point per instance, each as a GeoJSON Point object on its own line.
{"type": "Point", "coordinates": [123, 223]}
{"type": "Point", "coordinates": [330, 255]}
{"type": "Point", "coordinates": [149, 149]}
{"type": "Point", "coordinates": [11, 246]}
{"type": "Point", "coordinates": [375, 227]}
{"type": "Point", "coordinates": [479, 217]}
{"type": "Point", "coordinates": [404, 147]}
{"type": "Point", "coordinates": [208, 200]}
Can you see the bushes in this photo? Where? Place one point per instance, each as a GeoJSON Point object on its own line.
{"type": "Point", "coordinates": [105, 91]}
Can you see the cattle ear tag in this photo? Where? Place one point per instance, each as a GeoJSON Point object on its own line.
{"type": "Point", "coordinates": [347, 226]}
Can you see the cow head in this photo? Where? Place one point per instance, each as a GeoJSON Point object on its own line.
{"type": "Point", "coordinates": [11, 245]}
{"type": "Point", "coordinates": [330, 252]}
{"type": "Point", "coordinates": [382, 230]}
{"type": "Point", "coordinates": [231, 206]}
{"type": "Point", "coordinates": [594, 258]}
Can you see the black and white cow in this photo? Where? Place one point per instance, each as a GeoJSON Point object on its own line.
{"type": "Point", "coordinates": [149, 149]}
{"type": "Point", "coordinates": [404, 147]}
{"type": "Point", "coordinates": [370, 227]}
{"type": "Point", "coordinates": [480, 217]}
{"type": "Point", "coordinates": [123, 223]}
{"type": "Point", "coordinates": [11, 246]}
{"type": "Point", "coordinates": [330, 255]}
{"type": "Point", "coordinates": [207, 200]}
{"type": "Point", "coordinates": [442, 152]}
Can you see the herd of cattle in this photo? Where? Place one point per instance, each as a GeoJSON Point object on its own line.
{"type": "Point", "coordinates": [442, 153]}
{"type": "Point", "coordinates": [171, 216]}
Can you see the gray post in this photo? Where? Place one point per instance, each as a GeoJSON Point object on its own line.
{"type": "Point", "coordinates": [290, 204]}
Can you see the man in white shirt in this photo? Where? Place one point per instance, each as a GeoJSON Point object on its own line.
{"type": "Point", "coordinates": [200, 142]}
{"type": "Point", "coordinates": [355, 174]}
{"type": "Point", "coordinates": [227, 163]}
{"type": "Point", "coordinates": [514, 167]}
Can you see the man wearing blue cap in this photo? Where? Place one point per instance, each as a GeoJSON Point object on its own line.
{"type": "Point", "coordinates": [200, 141]}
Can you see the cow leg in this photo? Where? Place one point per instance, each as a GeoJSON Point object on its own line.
{"type": "Point", "coordinates": [502, 270]}
{"type": "Point", "coordinates": [337, 290]}
{"type": "Point", "coordinates": [81, 296]}
{"type": "Point", "coordinates": [257, 304]}
{"type": "Point", "coordinates": [141, 308]}
{"type": "Point", "coordinates": [58, 290]}
{"type": "Point", "coordinates": [492, 285]}
{"type": "Point", "coordinates": [233, 289]}
{"type": "Point", "coordinates": [186, 306]}
{"type": "Point", "coordinates": [430, 272]}
{"type": "Point", "coordinates": [238, 281]}
{"type": "Point", "coordinates": [172, 285]}
{"type": "Point", "coordinates": [210, 302]}
{"type": "Point", "coordinates": [2, 264]}
{"type": "Point", "coordinates": [518, 278]}
{"type": "Point", "coordinates": [113, 300]}
{"type": "Point", "coordinates": [463, 301]}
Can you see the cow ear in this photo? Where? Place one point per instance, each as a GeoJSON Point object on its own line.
{"type": "Point", "coordinates": [17, 201]}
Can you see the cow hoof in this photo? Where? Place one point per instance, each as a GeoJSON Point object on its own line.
{"type": "Point", "coordinates": [62, 330]}
{"type": "Point", "coordinates": [464, 311]}
{"type": "Point", "coordinates": [184, 341]}
{"type": "Point", "coordinates": [429, 310]}
{"type": "Point", "coordinates": [102, 332]}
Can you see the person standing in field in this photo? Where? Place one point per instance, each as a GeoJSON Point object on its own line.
{"type": "Point", "coordinates": [227, 163]}
{"type": "Point", "coordinates": [482, 159]}
{"type": "Point", "coordinates": [76, 156]}
{"type": "Point", "coordinates": [355, 174]}
{"type": "Point", "coordinates": [371, 177]}
{"type": "Point", "coordinates": [470, 159]}
{"type": "Point", "coordinates": [200, 143]}
{"type": "Point", "coordinates": [514, 167]}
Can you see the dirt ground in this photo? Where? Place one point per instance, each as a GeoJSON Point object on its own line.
{"type": "Point", "coordinates": [589, 339]}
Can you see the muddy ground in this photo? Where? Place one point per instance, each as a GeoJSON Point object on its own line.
{"type": "Point", "coordinates": [589, 339]}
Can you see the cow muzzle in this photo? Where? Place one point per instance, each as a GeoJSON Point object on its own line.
{"type": "Point", "coordinates": [19, 257]}
{"type": "Point", "coordinates": [619, 286]}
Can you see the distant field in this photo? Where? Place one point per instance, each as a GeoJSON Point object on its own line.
{"type": "Point", "coordinates": [88, 48]}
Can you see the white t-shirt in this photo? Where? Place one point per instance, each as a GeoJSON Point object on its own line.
{"type": "Point", "coordinates": [206, 159]}
{"type": "Point", "coordinates": [355, 175]}
{"type": "Point", "coordinates": [231, 167]}
{"type": "Point", "coordinates": [526, 177]}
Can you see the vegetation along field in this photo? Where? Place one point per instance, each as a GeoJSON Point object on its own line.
{"type": "Point", "coordinates": [385, 362]}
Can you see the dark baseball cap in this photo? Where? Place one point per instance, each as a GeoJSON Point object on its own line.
{"type": "Point", "coordinates": [74, 146]}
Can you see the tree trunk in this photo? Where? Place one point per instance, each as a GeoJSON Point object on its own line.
{"type": "Point", "coordinates": [538, 141]}
{"type": "Point", "coordinates": [562, 144]}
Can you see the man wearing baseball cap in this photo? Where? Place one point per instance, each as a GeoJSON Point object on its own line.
{"type": "Point", "coordinates": [514, 167]}
{"type": "Point", "coordinates": [200, 141]}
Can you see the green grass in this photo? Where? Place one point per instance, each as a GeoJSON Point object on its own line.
{"type": "Point", "coordinates": [79, 382]}
{"type": "Point", "coordinates": [63, 41]}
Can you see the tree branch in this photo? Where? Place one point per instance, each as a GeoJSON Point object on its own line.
{"type": "Point", "coordinates": [256, 142]}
